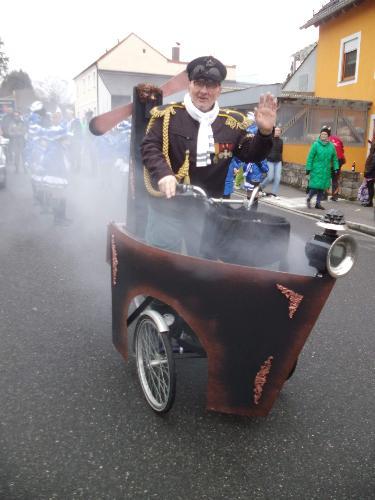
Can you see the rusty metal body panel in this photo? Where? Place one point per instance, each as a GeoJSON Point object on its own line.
{"type": "Point", "coordinates": [252, 322]}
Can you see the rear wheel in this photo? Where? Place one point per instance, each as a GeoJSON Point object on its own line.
{"type": "Point", "coordinates": [155, 364]}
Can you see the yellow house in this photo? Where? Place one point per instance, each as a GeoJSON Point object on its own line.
{"type": "Point", "coordinates": [344, 92]}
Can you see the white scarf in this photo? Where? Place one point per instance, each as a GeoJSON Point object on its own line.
{"type": "Point", "coordinates": [205, 142]}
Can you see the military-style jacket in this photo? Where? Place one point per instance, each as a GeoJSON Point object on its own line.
{"type": "Point", "coordinates": [172, 125]}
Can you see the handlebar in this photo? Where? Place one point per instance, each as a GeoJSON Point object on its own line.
{"type": "Point", "coordinates": [197, 192]}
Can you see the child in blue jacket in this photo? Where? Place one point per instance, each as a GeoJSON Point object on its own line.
{"type": "Point", "coordinates": [253, 173]}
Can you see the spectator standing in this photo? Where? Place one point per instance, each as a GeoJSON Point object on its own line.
{"type": "Point", "coordinates": [75, 141]}
{"type": "Point", "coordinates": [321, 160]}
{"type": "Point", "coordinates": [339, 146]}
{"type": "Point", "coordinates": [90, 146]}
{"type": "Point", "coordinates": [4, 132]}
{"type": "Point", "coordinates": [274, 160]}
{"type": "Point", "coordinates": [370, 174]}
{"type": "Point", "coordinates": [5, 122]}
{"type": "Point", "coordinates": [17, 131]}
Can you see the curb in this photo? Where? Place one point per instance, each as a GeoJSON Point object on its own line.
{"type": "Point", "coordinates": [362, 228]}
{"type": "Point", "coordinates": [355, 226]}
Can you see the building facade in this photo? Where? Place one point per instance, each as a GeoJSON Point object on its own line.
{"type": "Point", "coordinates": [109, 81]}
{"type": "Point", "coordinates": [344, 93]}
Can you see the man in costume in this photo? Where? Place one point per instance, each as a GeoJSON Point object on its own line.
{"type": "Point", "coordinates": [194, 142]}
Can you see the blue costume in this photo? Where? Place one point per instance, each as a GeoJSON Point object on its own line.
{"type": "Point", "coordinates": [253, 172]}
{"type": "Point", "coordinates": [236, 163]}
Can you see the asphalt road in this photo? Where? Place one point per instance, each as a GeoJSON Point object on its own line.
{"type": "Point", "coordinates": [74, 423]}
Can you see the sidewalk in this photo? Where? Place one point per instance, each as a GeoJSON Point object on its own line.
{"type": "Point", "coordinates": [357, 217]}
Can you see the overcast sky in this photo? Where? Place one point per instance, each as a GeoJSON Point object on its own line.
{"type": "Point", "coordinates": [59, 39]}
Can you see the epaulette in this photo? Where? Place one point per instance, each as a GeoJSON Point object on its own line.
{"type": "Point", "coordinates": [159, 111]}
{"type": "Point", "coordinates": [235, 119]}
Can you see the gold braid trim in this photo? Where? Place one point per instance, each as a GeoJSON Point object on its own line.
{"type": "Point", "coordinates": [149, 186]}
{"type": "Point", "coordinates": [150, 124]}
{"type": "Point", "coordinates": [233, 112]}
{"type": "Point", "coordinates": [157, 113]}
{"type": "Point", "coordinates": [160, 111]}
{"type": "Point", "coordinates": [167, 118]}
{"type": "Point", "coordinates": [234, 123]}
{"type": "Point", "coordinates": [241, 122]}
{"type": "Point", "coordinates": [183, 171]}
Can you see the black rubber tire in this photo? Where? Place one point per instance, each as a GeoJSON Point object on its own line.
{"type": "Point", "coordinates": [155, 365]}
{"type": "Point", "coordinates": [293, 369]}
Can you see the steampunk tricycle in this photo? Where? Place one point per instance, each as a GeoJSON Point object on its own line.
{"type": "Point", "coordinates": [239, 303]}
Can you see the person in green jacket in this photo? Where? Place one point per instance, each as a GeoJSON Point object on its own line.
{"type": "Point", "coordinates": [322, 159]}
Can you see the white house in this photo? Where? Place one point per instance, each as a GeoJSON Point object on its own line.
{"type": "Point", "coordinates": [108, 82]}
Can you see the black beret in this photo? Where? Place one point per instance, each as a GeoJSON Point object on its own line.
{"type": "Point", "coordinates": [206, 68]}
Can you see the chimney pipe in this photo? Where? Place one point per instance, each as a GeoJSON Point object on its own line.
{"type": "Point", "coordinates": [175, 54]}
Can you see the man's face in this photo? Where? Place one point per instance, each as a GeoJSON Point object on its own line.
{"type": "Point", "coordinates": [277, 132]}
{"type": "Point", "coordinates": [324, 136]}
{"type": "Point", "coordinates": [204, 93]}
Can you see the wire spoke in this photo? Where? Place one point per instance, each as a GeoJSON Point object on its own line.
{"type": "Point", "coordinates": [153, 364]}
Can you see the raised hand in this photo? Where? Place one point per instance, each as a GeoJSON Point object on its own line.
{"type": "Point", "coordinates": [265, 113]}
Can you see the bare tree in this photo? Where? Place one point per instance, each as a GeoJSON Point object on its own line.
{"type": "Point", "coordinates": [17, 84]}
{"type": "Point", "coordinates": [3, 62]}
{"type": "Point", "coordinates": [54, 93]}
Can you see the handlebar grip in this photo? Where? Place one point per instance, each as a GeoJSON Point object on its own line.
{"type": "Point", "coordinates": [181, 188]}
{"type": "Point", "coordinates": [194, 191]}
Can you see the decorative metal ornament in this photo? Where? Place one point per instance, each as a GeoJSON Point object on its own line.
{"type": "Point", "coordinates": [114, 260]}
{"type": "Point", "coordinates": [294, 299]}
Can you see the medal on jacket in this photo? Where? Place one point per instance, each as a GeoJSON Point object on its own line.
{"type": "Point", "coordinates": [223, 151]}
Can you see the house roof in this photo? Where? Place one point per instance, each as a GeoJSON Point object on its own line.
{"type": "Point", "coordinates": [118, 82]}
{"type": "Point", "coordinates": [332, 9]}
{"type": "Point", "coordinates": [307, 98]}
{"type": "Point", "coordinates": [119, 43]}
{"type": "Point", "coordinates": [248, 96]}
{"type": "Point", "coordinates": [184, 63]}
{"type": "Point", "coordinates": [307, 51]}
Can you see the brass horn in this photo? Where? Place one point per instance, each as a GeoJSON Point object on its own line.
{"type": "Point", "coordinates": [329, 252]}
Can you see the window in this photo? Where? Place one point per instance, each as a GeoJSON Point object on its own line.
{"type": "Point", "coordinates": [349, 62]}
{"type": "Point", "coordinates": [351, 126]}
{"type": "Point", "coordinates": [349, 59]}
{"type": "Point", "coordinates": [292, 120]}
{"type": "Point", "coordinates": [318, 117]}
{"type": "Point", "coordinates": [301, 124]}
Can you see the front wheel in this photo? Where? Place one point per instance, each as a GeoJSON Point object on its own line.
{"type": "Point", "coordinates": [155, 364]}
{"type": "Point", "coordinates": [293, 369]}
